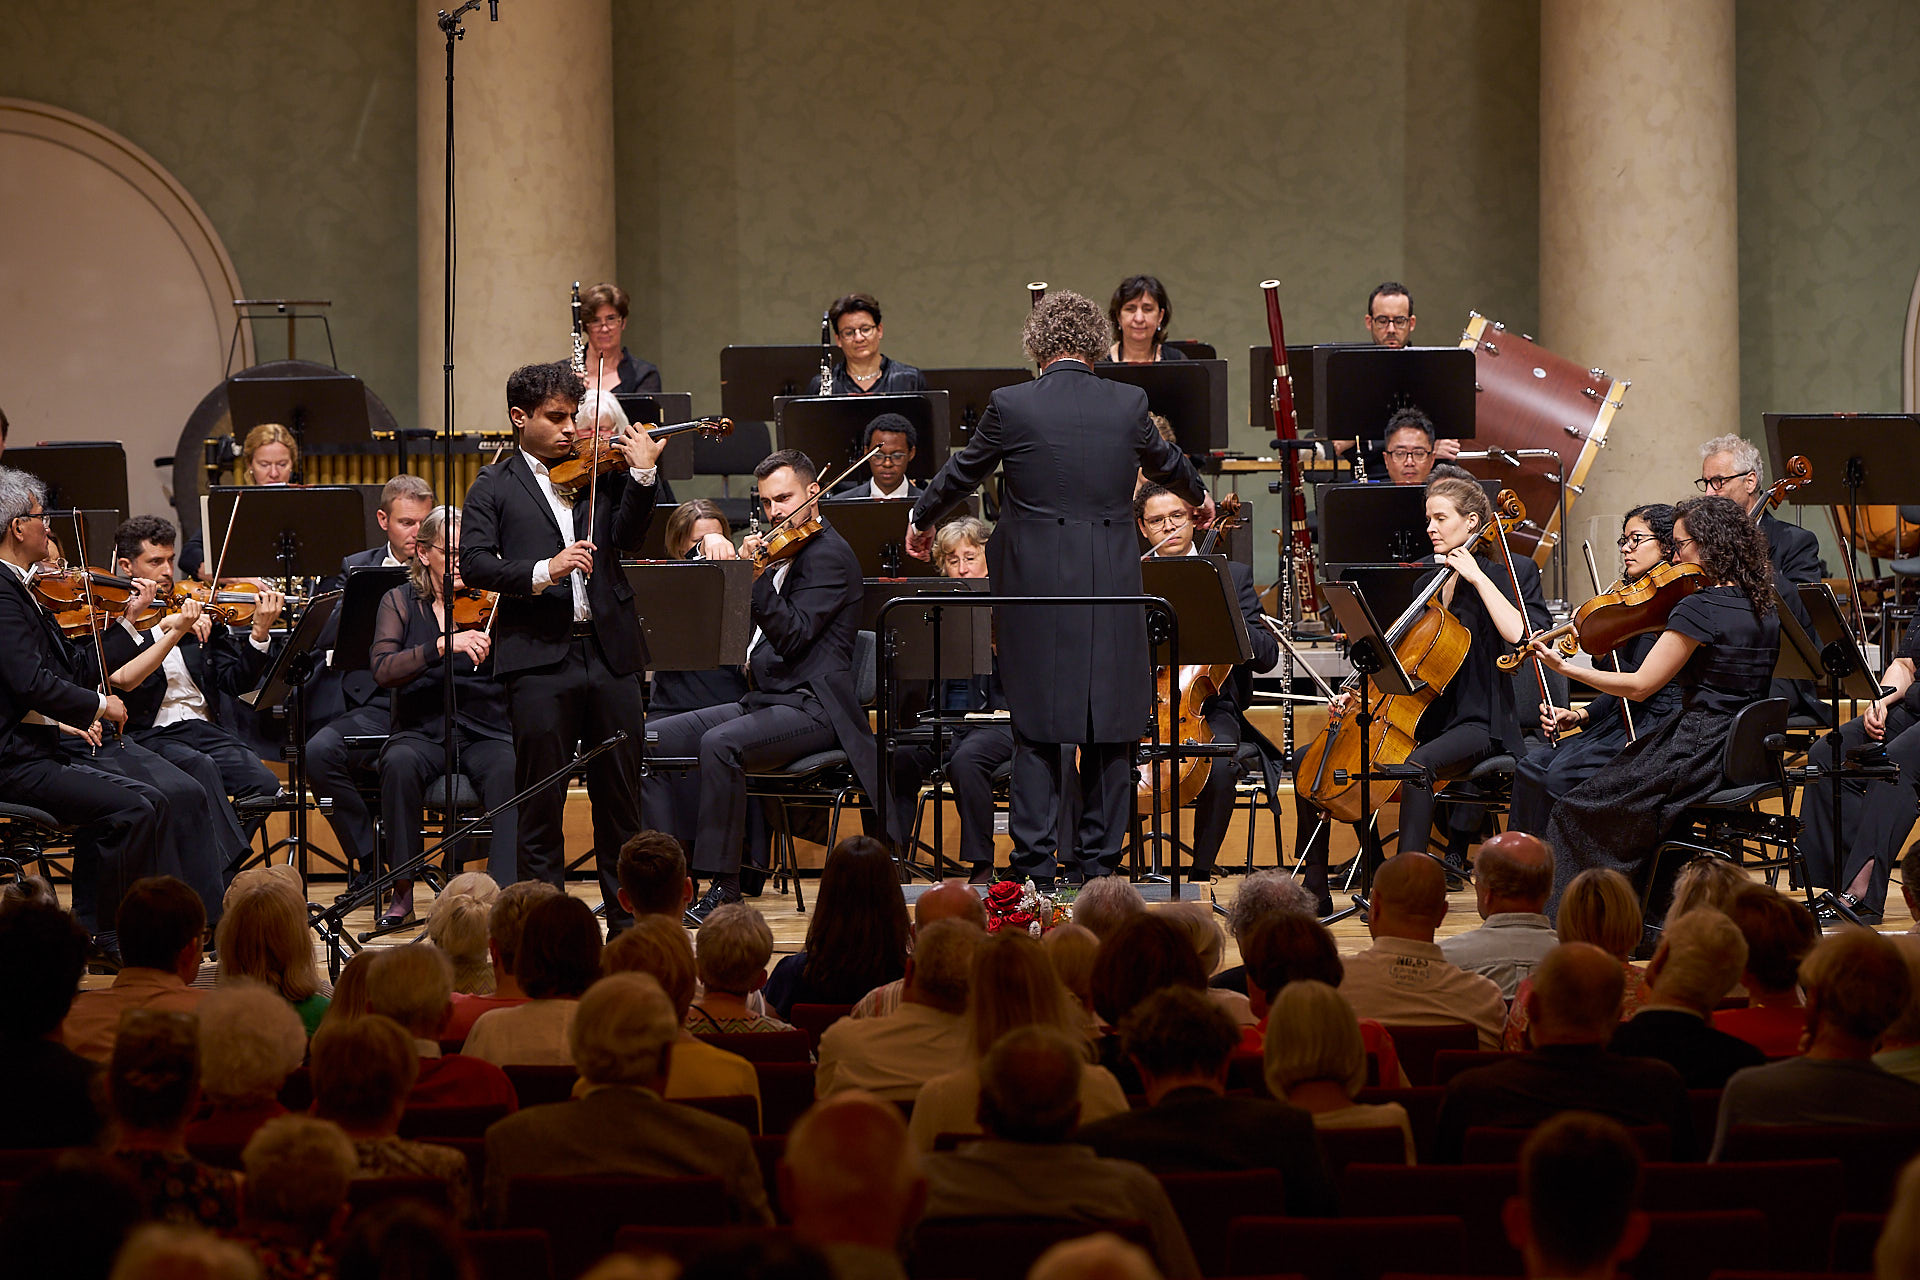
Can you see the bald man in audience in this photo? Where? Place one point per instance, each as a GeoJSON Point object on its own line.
{"type": "Point", "coordinates": [1028, 1166]}
{"type": "Point", "coordinates": [850, 1181]}
{"type": "Point", "coordinates": [1405, 977]}
{"type": "Point", "coordinates": [1511, 880]}
{"type": "Point", "coordinates": [1701, 957]}
{"type": "Point", "coordinates": [951, 899]}
{"type": "Point", "coordinates": [1575, 1217]}
{"type": "Point", "coordinates": [925, 1037]}
{"type": "Point", "coordinates": [1574, 1007]}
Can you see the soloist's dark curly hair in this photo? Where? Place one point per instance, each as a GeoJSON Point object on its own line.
{"type": "Point", "coordinates": [1658, 517]}
{"type": "Point", "coordinates": [1732, 548]}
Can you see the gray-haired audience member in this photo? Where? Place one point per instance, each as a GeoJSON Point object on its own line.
{"type": "Point", "coordinates": [1576, 1217]}
{"type": "Point", "coordinates": [1512, 876]}
{"type": "Point", "coordinates": [622, 1041]}
{"type": "Point", "coordinates": [414, 986]}
{"type": "Point", "coordinates": [250, 1042]}
{"type": "Point", "coordinates": [1262, 895]}
{"type": "Point", "coordinates": [169, 1251]}
{"type": "Point", "coordinates": [1856, 985]}
{"type": "Point", "coordinates": [926, 1036]}
{"type": "Point", "coordinates": [850, 1180]}
{"type": "Point", "coordinates": [153, 1086]}
{"type": "Point", "coordinates": [1029, 1165]}
{"type": "Point", "coordinates": [1104, 902]}
{"type": "Point", "coordinates": [1180, 1041]}
{"type": "Point", "coordinates": [298, 1172]}
{"type": "Point", "coordinates": [1700, 960]}
{"type": "Point", "coordinates": [731, 951]}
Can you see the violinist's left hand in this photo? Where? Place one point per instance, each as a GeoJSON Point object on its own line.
{"type": "Point", "coordinates": [920, 543]}
{"type": "Point", "coordinates": [1549, 655]}
{"type": "Point", "coordinates": [639, 448]}
{"type": "Point", "coordinates": [751, 546]}
{"type": "Point", "coordinates": [266, 612]}
{"type": "Point", "coordinates": [144, 590]}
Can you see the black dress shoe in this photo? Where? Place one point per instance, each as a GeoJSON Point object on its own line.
{"type": "Point", "coordinates": [981, 875]}
{"type": "Point", "coordinates": [712, 900]}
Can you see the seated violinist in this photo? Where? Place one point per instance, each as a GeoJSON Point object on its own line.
{"type": "Point", "coordinates": [806, 611]}
{"type": "Point", "coordinates": [175, 712]}
{"type": "Point", "coordinates": [409, 656]}
{"type": "Point", "coordinates": [1166, 522]}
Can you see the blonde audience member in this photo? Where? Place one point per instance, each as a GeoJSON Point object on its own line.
{"type": "Point", "coordinates": [250, 1042]}
{"type": "Point", "coordinates": [1706, 882]}
{"type": "Point", "coordinates": [1071, 950]}
{"type": "Point", "coordinates": [350, 992]}
{"type": "Point", "coordinates": [264, 936]}
{"type": "Point", "coordinates": [457, 925]}
{"type": "Point", "coordinates": [1195, 919]}
{"type": "Point", "coordinates": [1314, 1060]}
{"type": "Point", "coordinates": [730, 954]}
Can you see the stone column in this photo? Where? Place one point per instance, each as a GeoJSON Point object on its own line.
{"type": "Point", "coordinates": [533, 160]}
{"type": "Point", "coordinates": [1639, 262]}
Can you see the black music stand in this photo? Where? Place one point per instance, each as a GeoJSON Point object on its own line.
{"type": "Point", "coordinates": [695, 614]}
{"type": "Point", "coordinates": [319, 408]}
{"type": "Point", "coordinates": [1393, 587]}
{"type": "Point", "coordinates": [876, 529]}
{"type": "Point", "coordinates": [1376, 663]}
{"type": "Point", "coordinates": [751, 378]}
{"type": "Point", "coordinates": [360, 613]}
{"type": "Point", "coordinates": [1260, 386]}
{"type": "Point", "coordinates": [92, 477]}
{"type": "Point", "coordinates": [98, 528]}
{"type": "Point", "coordinates": [1372, 523]}
{"type": "Point", "coordinates": [1190, 394]}
{"type": "Point", "coordinates": [832, 430]}
{"type": "Point", "coordinates": [1356, 389]}
{"type": "Point", "coordinates": [1213, 632]}
{"type": "Point", "coordinates": [968, 393]}
{"type": "Point", "coordinates": [285, 688]}
{"type": "Point", "coordinates": [284, 530]}
{"type": "Point", "coordinates": [657, 409]}
{"type": "Point", "coordinates": [1839, 447]}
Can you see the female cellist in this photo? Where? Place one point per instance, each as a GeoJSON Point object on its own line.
{"type": "Point", "coordinates": [1646, 540]}
{"type": "Point", "coordinates": [1474, 717]}
{"type": "Point", "coordinates": [1719, 648]}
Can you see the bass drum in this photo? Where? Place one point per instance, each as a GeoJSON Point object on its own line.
{"type": "Point", "coordinates": [1884, 532]}
{"type": "Point", "coordinates": [1530, 398]}
{"type": "Point", "coordinates": [207, 450]}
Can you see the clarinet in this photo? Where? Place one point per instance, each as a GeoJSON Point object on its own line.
{"type": "Point", "coordinates": [579, 336]}
{"type": "Point", "coordinates": [826, 353]}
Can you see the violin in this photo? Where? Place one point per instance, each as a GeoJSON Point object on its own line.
{"type": "Point", "coordinates": [1615, 616]}
{"type": "Point", "coordinates": [596, 456]}
{"type": "Point", "coordinates": [785, 539]}
{"type": "Point", "coordinates": [473, 608]}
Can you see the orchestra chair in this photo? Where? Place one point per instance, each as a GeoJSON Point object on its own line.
{"type": "Point", "coordinates": [509, 1254]}
{"type": "Point", "coordinates": [1001, 1248]}
{"type": "Point", "coordinates": [581, 1212]}
{"type": "Point", "coordinates": [1802, 1199]}
{"type": "Point", "coordinates": [1693, 1245]}
{"type": "Point", "coordinates": [1872, 1155]}
{"type": "Point", "coordinates": [941, 792]}
{"type": "Point", "coordinates": [1418, 1044]}
{"type": "Point", "coordinates": [1475, 1193]}
{"type": "Point", "coordinates": [30, 836]}
{"type": "Point", "coordinates": [822, 780]}
{"type": "Point", "coordinates": [1259, 788]}
{"type": "Point", "coordinates": [1489, 784]}
{"type": "Point", "coordinates": [763, 1046]}
{"type": "Point", "coordinates": [1207, 1203]}
{"type": "Point", "coordinates": [1348, 1248]}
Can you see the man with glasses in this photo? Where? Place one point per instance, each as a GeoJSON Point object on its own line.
{"type": "Point", "coordinates": [1390, 322]}
{"type": "Point", "coordinates": [1412, 447]}
{"type": "Point", "coordinates": [863, 371]}
{"type": "Point", "coordinates": [898, 441]}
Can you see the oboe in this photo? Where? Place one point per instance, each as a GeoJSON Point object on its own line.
{"type": "Point", "coordinates": [826, 353]}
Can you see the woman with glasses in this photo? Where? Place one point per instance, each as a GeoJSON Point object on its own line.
{"type": "Point", "coordinates": [1140, 312]}
{"type": "Point", "coordinates": [1646, 540]}
{"type": "Point", "coordinates": [603, 308]}
{"type": "Point", "coordinates": [863, 371]}
{"type": "Point", "coordinates": [1718, 648]}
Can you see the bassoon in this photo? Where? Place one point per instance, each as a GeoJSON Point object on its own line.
{"type": "Point", "coordinates": [1301, 595]}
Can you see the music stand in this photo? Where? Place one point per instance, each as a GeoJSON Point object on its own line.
{"type": "Point", "coordinates": [1839, 445]}
{"type": "Point", "coordinates": [1260, 386]}
{"type": "Point", "coordinates": [97, 526]}
{"type": "Point", "coordinates": [968, 393]}
{"type": "Point", "coordinates": [1372, 523]}
{"type": "Point", "coordinates": [1390, 587]}
{"type": "Point", "coordinates": [283, 530]}
{"type": "Point", "coordinates": [1357, 388]}
{"type": "Point", "coordinates": [92, 477]}
{"type": "Point", "coordinates": [751, 378]}
{"type": "Point", "coordinates": [319, 408]}
{"type": "Point", "coordinates": [695, 614]}
{"type": "Point", "coordinates": [657, 409]}
{"type": "Point", "coordinates": [1190, 394]}
{"type": "Point", "coordinates": [360, 614]}
{"type": "Point", "coordinates": [832, 430]}
{"type": "Point", "coordinates": [1376, 663]}
{"type": "Point", "coordinates": [876, 529]}
{"type": "Point", "coordinates": [285, 686]}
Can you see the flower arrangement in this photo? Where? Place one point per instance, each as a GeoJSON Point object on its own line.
{"type": "Point", "coordinates": [1019, 904]}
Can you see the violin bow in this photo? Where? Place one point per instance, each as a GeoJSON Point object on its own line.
{"type": "Point", "coordinates": [1508, 505]}
{"type": "Point", "coordinates": [825, 485]}
{"type": "Point", "coordinates": [86, 577]}
{"type": "Point", "coordinates": [220, 561]}
{"type": "Point", "coordinates": [593, 469]}
{"type": "Point", "coordinates": [1613, 659]}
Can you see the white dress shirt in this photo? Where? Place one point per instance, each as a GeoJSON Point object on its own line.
{"type": "Point", "coordinates": [183, 699]}
{"type": "Point", "coordinates": [34, 717]}
{"type": "Point", "coordinates": [563, 516]}
{"type": "Point", "coordinates": [779, 581]}
{"type": "Point", "coordinates": [874, 490]}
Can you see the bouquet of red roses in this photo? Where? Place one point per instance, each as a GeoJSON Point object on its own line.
{"type": "Point", "coordinates": [1017, 904]}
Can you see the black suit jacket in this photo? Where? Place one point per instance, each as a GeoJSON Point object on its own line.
{"type": "Point", "coordinates": [1795, 553]}
{"type": "Point", "coordinates": [1070, 444]}
{"type": "Point", "coordinates": [335, 692]}
{"type": "Point", "coordinates": [225, 664]}
{"type": "Point", "coordinates": [1200, 1131]}
{"type": "Point", "coordinates": [1532, 1087]}
{"type": "Point", "coordinates": [39, 671]}
{"type": "Point", "coordinates": [508, 529]}
{"type": "Point", "coordinates": [1705, 1058]}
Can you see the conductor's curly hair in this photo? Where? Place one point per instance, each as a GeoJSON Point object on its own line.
{"type": "Point", "coordinates": [1066, 324]}
{"type": "Point", "coordinates": [1732, 548]}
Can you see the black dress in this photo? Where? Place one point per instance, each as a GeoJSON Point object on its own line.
{"type": "Point", "coordinates": [1618, 817]}
{"type": "Point", "coordinates": [895, 378]}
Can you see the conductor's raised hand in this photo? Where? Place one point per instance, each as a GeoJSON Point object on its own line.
{"type": "Point", "coordinates": [576, 558]}
{"type": "Point", "coordinates": [920, 543]}
{"type": "Point", "coordinates": [1204, 514]}
{"type": "Point", "coordinates": [638, 447]}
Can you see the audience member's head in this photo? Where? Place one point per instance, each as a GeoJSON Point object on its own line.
{"type": "Point", "coordinates": [1897, 1256]}
{"type": "Point", "coordinates": [1856, 983]}
{"type": "Point", "coordinates": [69, 1219]}
{"type": "Point", "coordinates": [1700, 960]}
{"type": "Point", "coordinates": [170, 1251]}
{"type": "Point", "coordinates": [937, 973]}
{"type": "Point", "coordinates": [859, 933]}
{"type": "Point", "coordinates": [349, 999]}
{"type": "Point", "coordinates": [1905, 1031]}
{"type": "Point", "coordinates": [1601, 908]}
{"type": "Point", "coordinates": [1104, 902]}
{"type": "Point", "coordinates": [951, 899]}
{"type": "Point", "coordinates": [1012, 985]}
{"type": "Point", "coordinates": [732, 949]}
{"type": "Point", "coordinates": [474, 884]}
{"type": "Point", "coordinates": [1142, 955]}
{"type": "Point", "coordinates": [457, 925]}
{"type": "Point", "coordinates": [850, 1174]}
{"type": "Point", "coordinates": [653, 875]}
{"type": "Point", "coordinates": [1779, 933]}
{"type": "Point", "coordinates": [414, 987]}
{"type": "Point", "coordinates": [161, 925]}
{"type": "Point", "coordinates": [1579, 1182]}
{"type": "Point", "coordinates": [1409, 898]}
{"type": "Point", "coordinates": [153, 1078]}
{"type": "Point", "coordinates": [1195, 919]}
{"type": "Point", "coordinates": [263, 936]}
{"type": "Point", "coordinates": [1030, 1086]}
{"type": "Point", "coordinates": [1071, 950]}
{"type": "Point", "coordinates": [298, 1169]}
{"type": "Point", "coordinates": [1705, 882]}
{"type": "Point", "coordinates": [1267, 893]}
{"type": "Point", "coordinates": [250, 1042]}
{"type": "Point", "coordinates": [402, 1238]}
{"type": "Point", "coordinates": [559, 949]}
{"type": "Point", "coordinates": [1179, 1038]}
{"type": "Point", "coordinates": [656, 946]}
{"type": "Point", "coordinates": [1513, 872]}
{"type": "Point", "coordinates": [507, 924]}
{"type": "Point", "coordinates": [1313, 1035]}
{"type": "Point", "coordinates": [43, 952]}
{"type": "Point", "coordinates": [1284, 948]}
{"type": "Point", "coordinates": [623, 1032]}
{"type": "Point", "coordinates": [362, 1073]}
{"type": "Point", "coordinates": [1576, 996]}
{"type": "Point", "coordinates": [1100, 1256]}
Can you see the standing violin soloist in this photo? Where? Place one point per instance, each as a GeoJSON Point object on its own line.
{"type": "Point", "coordinates": [566, 639]}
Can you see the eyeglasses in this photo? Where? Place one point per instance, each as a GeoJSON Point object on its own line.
{"type": "Point", "coordinates": [607, 322]}
{"type": "Point", "coordinates": [1409, 455]}
{"type": "Point", "coordinates": [1717, 483]}
{"type": "Point", "coordinates": [858, 332]}
{"type": "Point", "coordinates": [899, 455]}
{"type": "Point", "coordinates": [41, 516]}
{"type": "Point", "coordinates": [1394, 322]}
{"type": "Point", "coordinates": [1629, 541]}
{"type": "Point", "coordinates": [1685, 542]}
{"type": "Point", "coordinates": [1172, 520]}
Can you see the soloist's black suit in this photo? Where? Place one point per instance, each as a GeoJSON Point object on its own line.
{"type": "Point", "coordinates": [341, 705]}
{"type": "Point", "coordinates": [1070, 444]}
{"type": "Point", "coordinates": [567, 682]}
{"type": "Point", "coordinates": [801, 700]}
